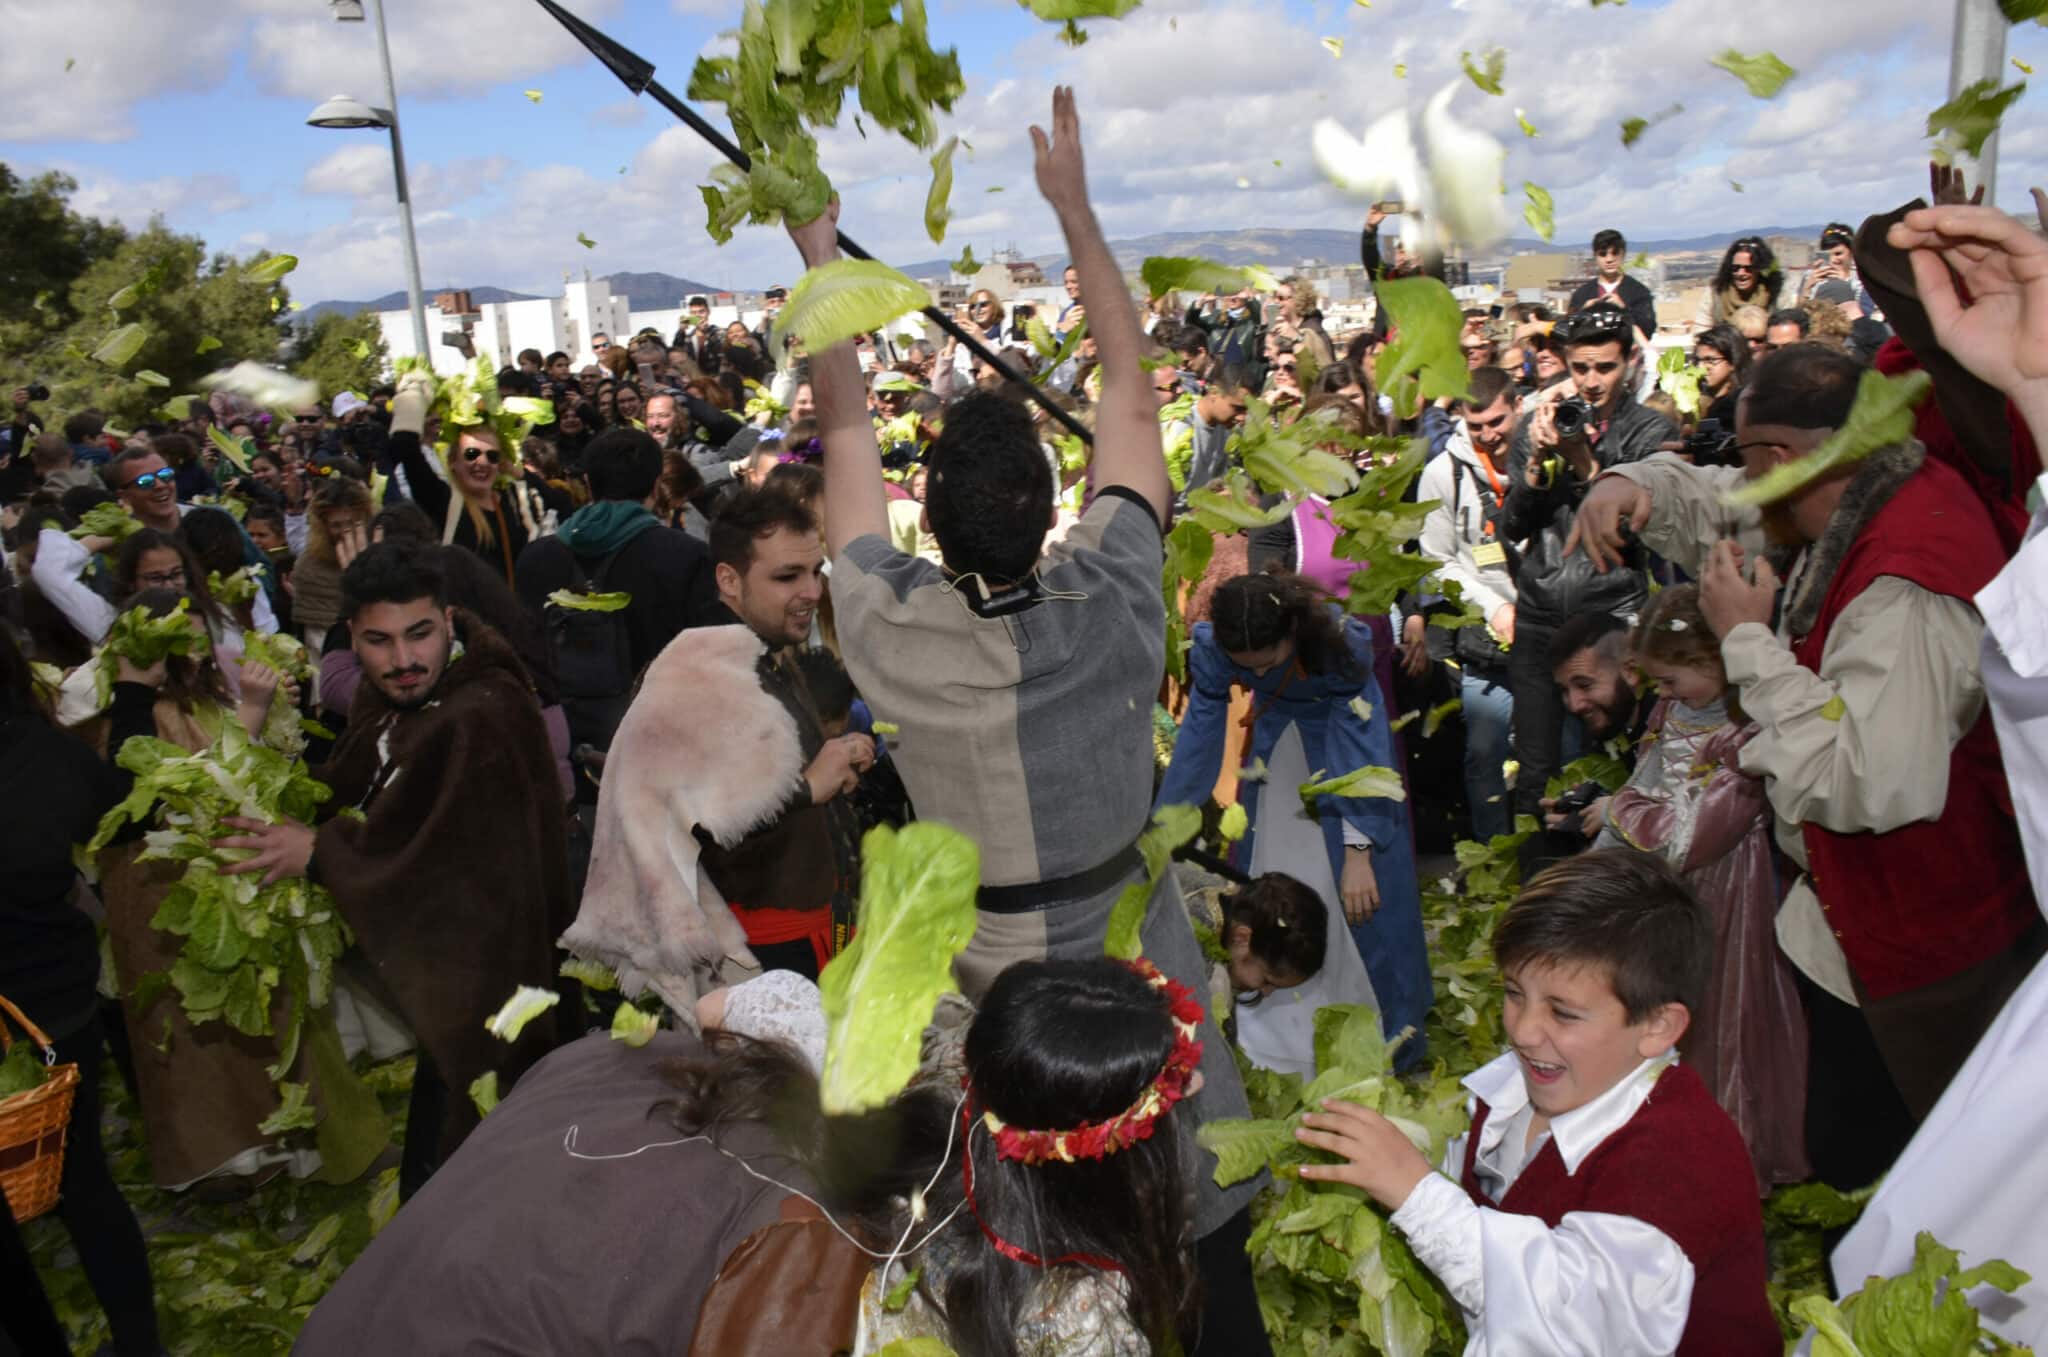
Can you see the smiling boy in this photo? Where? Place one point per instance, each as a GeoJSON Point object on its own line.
{"type": "Point", "coordinates": [1602, 1203]}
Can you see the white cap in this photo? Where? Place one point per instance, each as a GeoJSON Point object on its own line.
{"type": "Point", "coordinates": [347, 403]}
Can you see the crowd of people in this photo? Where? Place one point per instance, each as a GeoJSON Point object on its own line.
{"type": "Point", "coordinates": [634, 682]}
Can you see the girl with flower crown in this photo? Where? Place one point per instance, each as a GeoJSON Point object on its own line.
{"type": "Point", "coordinates": [1690, 803]}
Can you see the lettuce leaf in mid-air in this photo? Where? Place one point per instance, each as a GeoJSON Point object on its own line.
{"type": "Point", "coordinates": [527, 1003]}
{"type": "Point", "coordinates": [1679, 379]}
{"type": "Point", "coordinates": [589, 603]}
{"type": "Point", "coordinates": [1176, 273]}
{"type": "Point", "coordinates": [1422, 361]}
{"type": "Point", "coordinates": [1763, 74]}
{"type": "Point", "coordinates": [271, 269]}
{"type": "Point", "coordinates": [917, 912]}
{"type": "Point", "coordinates": [1370, 781]}
{"type": "Point", "coordinates": [119, 348]}
{"type": "Point", "coordinates": [1487, 72]}
{"type": "Point", "coordinates": [1540, 211]}
{"type": "Point", "coordinates": [936, 212]}
{"type": "Point", "coordinates": [634, 1026]}
{"type": "Point", "coordinates": [836, 301]}
{"type": "Point", "coordinates": [1967, 121]}
{"type": "Point", "coordinates": [1881, 416]}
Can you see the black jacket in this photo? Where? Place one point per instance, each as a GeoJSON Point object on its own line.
{"type": "Point", "coordinates": [667, 571]}
{"type": "Point", "coordinates": [1636, 299]}
{"type": "Point", "coordinates": [1551, 588]}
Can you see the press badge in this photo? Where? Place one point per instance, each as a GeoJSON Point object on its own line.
{"type": "Point", "coordinates": [1489, 553]}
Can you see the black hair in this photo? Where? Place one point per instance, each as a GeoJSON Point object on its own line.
{"type": "Point", "coordinates": [515, 381]}
{"type": "Point", "coordinates": [1288, 923]}
{"type": "Point", "coordinates": [534, 354]}
{"type": "Point", "coordinates": [1253, 612]}
{"type": "Point", "coordinates": [1792, 315]}
{"type": "Point", "coordinates": [1837, 233]}
{"type": "Point", "coordinates": [990, 489]}
{"type": "Point", "coordinates": [262, 511]}
{"type": "Point", "coordinates": [18, 695]}
{"type": "Point", "coordinates": [215, 538]}
{"type": "Point", "coordinates": [1627, 912]}
{"type": "Point", "coordinates": [1056, 1044]}
{"type": "Point", "coordinates": [175, 448]}
{"type": "Point", "coordinates": [1803, 386]}
{"type": "Point", "coordinates": [830, 685]}
{"type": "Point", "coordinates": [84, 426]}
{"type": "Point", "coordinates": [1488, 385]}
{"type": "Point", "coordinates": [129, 559]}
{"type": "Point", "coordinates": [128, 456]}
{"type": "Point", "coordinates": [1600, 323]}
{"type": "Point", "coordinates": [750, 514]}
{"type": "Point", "coordinates": [1609, 239]}
{"type": "Point", "coordinates": [80, 500]}
{"type": "Point", "coordinates": [403, 522]}
{"type": "Point", "coordinates": [799, 480]}
{"type": "Point", "coordinates": [1727, 341]}
{"type": "Point", "coordinates": [1770, 278]}
{"type": "Point", "coordinates": [1587, 630]}
{"type": "Point", "coordinates": [553, 356]}
{"type": "Point", "coordinates": [392, 572]}
{"type": "Point", "coordinates": [622, 464]}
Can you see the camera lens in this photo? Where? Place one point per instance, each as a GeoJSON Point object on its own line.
{"type": "Point", "coordinates": [1569, 418]}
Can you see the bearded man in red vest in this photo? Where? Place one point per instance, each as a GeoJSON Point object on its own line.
{"type": "Point", "coordinates": [1878, 752]}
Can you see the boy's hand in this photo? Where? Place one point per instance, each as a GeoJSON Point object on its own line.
{"type": "Point", "coordinates": [1062, 177]}
{"type": "Point", "coordinates": [1383, 1161]}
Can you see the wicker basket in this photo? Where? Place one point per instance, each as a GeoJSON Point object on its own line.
{"type": "Point", "coordinates": [32, 1127]}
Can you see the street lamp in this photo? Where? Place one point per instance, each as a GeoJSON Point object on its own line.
{"type": "Point", "coordinates": [344, 112]}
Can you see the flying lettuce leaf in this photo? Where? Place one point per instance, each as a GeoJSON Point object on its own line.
{"type": "Point", "coordinates": [1170, 828]}
{"type": "Point", "coordinates": [1059, 11]}
{"type": "Point", "coordinates": [1967, 121]}
{"type": "Point", "coordinates": [1488, 72]}
{"type": "Point", "coordinates": [527, 1003]}
{"type": "Point", "coordinates": [1528, 128]}
{"type": "Point", "coordinates": [846, 297]}
{"type": "Point", "coordinates": [966, 265]}
{"type": "Point", "coordinates": [917, 912]}
{"type": "Point", "coordinates": [1236, 820]}
{"type": "Point", "coordinates": [936, 212]}
{"type": "Point", "coordinates": [150, 377]}
{"type": "Point", "coordinates": [534, 95]}
{"type": "Point", "coordinates": [884, 729]}
{"type": "Point", "coordinates": [589, 603]}
{"type": "Point", "coordinates": [1434, 718]}
{"type": "Point", "coordinates": [634, 1026]}
{"type": "Point", "coordinates": [1541, 210]}
{"type": "Point", "coordinates": [1173, 273]}
{"type": "Point", "coordinates": [483, 1091]}
{"type": "Point", "coordinates": [583, 239]}
{"type": "Point", "coordinates": [1058, 357]}
{"type": "Point", "coordinates": [2017, 11]}
{"type": "Point", "coordinates": [1334, 46]}
{"type": "Point", "coordinates": [1360, 783]}
{"type": "Point", "coordinates": [207, 344]}
{"type": "Point", "coordinates": [1881, 416]}
{"type": "Point", "coordinates": [1235, 506]}
{"type": "Point", "coordinates": [232, 448]}
{"type": "Point", "coordinates": [920, 1346]}
{"type": "Point", "coordinates": [119, 348]}
{"type": "Point", "coordinates": [271, 269]}
{"type": "Point", "coordinates": [592, 975]}
{"type": "Point", "coordinates": [1632, 130]}
{"type": "Point", "coordinates": [1423, 360]}
{"type": "Point", "coordinates": [1763, 75]}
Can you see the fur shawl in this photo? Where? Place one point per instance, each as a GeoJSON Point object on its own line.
{"type": "Point", "coordinates": [1870, 489]}
{"type": "Point", "coordinates": [703, 746]}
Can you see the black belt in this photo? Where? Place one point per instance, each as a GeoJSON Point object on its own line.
{"type": "Point", "coordinates": [1033, 896]}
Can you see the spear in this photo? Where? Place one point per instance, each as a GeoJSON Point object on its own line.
{"type": "Point", "coordinates": [636, 73]}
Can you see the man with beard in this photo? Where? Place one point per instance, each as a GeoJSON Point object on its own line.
{"type": "Point", "coordinates": [1589, 660]}
{"type": "Point", "coordinates": [1876, 749]}
{"type": "Point", "coordinates": [446, 848]}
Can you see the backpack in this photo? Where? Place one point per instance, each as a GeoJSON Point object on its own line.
{"type": "Point", "coordinates": [593, 659]}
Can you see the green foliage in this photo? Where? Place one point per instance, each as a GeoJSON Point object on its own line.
{"type": "Point", "coordinates": [1360, 782]}
{"type": "Point", "coordinates": [22, 1068]}
{"type": "Point", "coordinates": [1378, 523]}
{"type": "Point", "coordinates": [341, 353]}
{"type": "Point", "coordinates": [1881, 416]}
{"type": "Point", "coordinates": [1175, 273]}
{"type": "Point", "coordinates": [1060, 11]}
{"type": "Point", "coordinates": [1600, 766]}
{"type": "Point", "coordinates": [1797, 1220]}
{"type": "Point", "coordinates": [916, 914]}
{"type": "Point", "coordinates": [916, 1347]}
{"type": "Point", "coordinates": [1170, 828]}
{"type": "Point", "coordinates": [796, 64]}
{"type": "Point", "coordinates": [1967, 121]}
{"type": "Point", "coordinates": [846, 297]}
{"type": "Point", "coordinates": [634, 1025]}
{"type": "Point", "coordinates": [525, 1004]}
{"type": "Point", "coordinates": [1487, 72]}
{"type": "Point", "coordinates": [1763, 75]}
{"type": "Point", "coordinates": [1422, 361]}
{"type": "Point", "coordinates": [1632, 130]}
{"type": "Point", "coordinates": [589, 603]}
{"type": "Point", "coordinates": [1680, 380]}
{"type": "Point", "coordinates": [1924, 1312]}
{"type": "Point", "coordinates": [107, 520]}
{"type": "Point", "coordinates": [1541, 210]}
{"type": "Point", "coordinates": [936, 211]}
{"type": "Point", "coordinates": [1459, 913]}
{"type": "Point", "coordinates": [2019, 11]}
{"type": "Point", "coordinates": [143, 640]}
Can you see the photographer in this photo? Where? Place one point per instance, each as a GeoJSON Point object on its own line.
{"type": "Point", "coordinates": [17, 473]}
{"type": "Point", "coordinates": [1570, 433]}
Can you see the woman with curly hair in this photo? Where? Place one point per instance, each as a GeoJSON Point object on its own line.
{"type": "Point", "coordinates": [1749, 276]}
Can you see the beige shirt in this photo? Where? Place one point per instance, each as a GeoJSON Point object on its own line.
{"type": "Point", "coordinates": [1862, 745]}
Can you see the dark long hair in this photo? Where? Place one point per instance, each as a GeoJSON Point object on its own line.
{"type": "Point", "coordinates": [1253, 612]}
{"type": "Point", "coordinates": [18, 695]}
{"type": "Point", "coordinates": [191, 681]}
{"type": "Point", "coordinates": [149, 539]}
{"type": "Point", "coordinates": [1769, 277]}
{"type": "Point", "coordinates": [1054, 1045]}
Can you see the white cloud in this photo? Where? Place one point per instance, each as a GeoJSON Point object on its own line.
{"type": "Point", "coordinates": [130, 50]}
{"type": "Point", "coordinates": [184, 202]}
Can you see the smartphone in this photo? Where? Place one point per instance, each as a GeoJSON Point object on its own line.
{"type": "Point", "coordinates": [646, 375]}
{"type": "Point", "coordinates": [1393, 207]}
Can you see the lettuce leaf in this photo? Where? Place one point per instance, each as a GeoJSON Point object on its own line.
{"type": "Point", "coordinates": [936, 212]}
{"type": "Point", "coordinates": [271, 269]}
{"type": "Point", "coordinates": [1541, 211]}
{"type": "Point", "coordinates": [917, 912]}
{"type": "Point", "coordinates": [846, 297]}
{"type": "Point", "coordinates": [1881, 416]}
{"type": "Point", "coordinates": [1680, 380]}
{"type": "Point", "coordinates": [1361, 782]}
{"type": "Point", "coordinates": [1422, 361]}
{"type": "Point", "coordinates": [483, 1091]}
{"type": "Point", "coordinates": [107, 520]}
{"type": "Point", "coordinates": [1967, 121]}
{"type": "Point", "coordinates": [1178, 273]}
{"type": "Point", "coordinates": [1488, 72]}
{"type": "Point", "coordinates": [236, 451]}
{"type": "Point", "coordinates": [143, 640]}
{"type": "Point", "coordinates": [527, 1003]}
{"type": "Point", "coordinates": [1763, 74]}
{"type": "Point", "coordinates": [121, 345]}
{"type": "Point", "coordinates": [589, 603]}
{"type": "Point", "coordinates": [634, 1026]}
{"type": "Point", "coordinates": [592, 975]}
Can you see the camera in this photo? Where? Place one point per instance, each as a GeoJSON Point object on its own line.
{"type": "Point", "coordinates": [1570, 417]}
{"type": "Point", "coordinates": [38, 392]}
{"type": "Point", "coordinates": [1572, 804]}
{"type": "Point", "coordinates": [1711, 445]}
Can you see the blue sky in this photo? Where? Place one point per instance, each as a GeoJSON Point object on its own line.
{"type": "Point", "coordinates": [201, 117]}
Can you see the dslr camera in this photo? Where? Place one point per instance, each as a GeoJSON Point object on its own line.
{"type": "Point", "coordinates": [37, 391]}
{"type": "Point", "coordinates": [1711, 445]}
{"type": "Point", "coordinates": [1570, 417]}
{"type": "Point", "coordinates": [1572, 804]}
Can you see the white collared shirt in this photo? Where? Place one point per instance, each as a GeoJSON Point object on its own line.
{"type": "Point", "coordinates": [1600, 1284]}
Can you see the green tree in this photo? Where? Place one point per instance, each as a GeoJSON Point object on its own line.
{"type": "Point", "coordinates": [44, 246]}
{"type": "Point", "coordinates": [342, 353]}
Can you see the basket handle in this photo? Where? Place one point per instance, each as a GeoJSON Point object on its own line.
{"type": "Point", "coordinates": [35, 1033]}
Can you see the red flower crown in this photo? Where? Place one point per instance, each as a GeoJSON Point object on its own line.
{"type": "Point", "coordinates": [1097, 1139]}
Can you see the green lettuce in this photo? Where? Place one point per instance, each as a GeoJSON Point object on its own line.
{"type": "Point", "coordinates": [917, 912]}
{"type": "Point", "coordinates": [589, 603]}
{"type": "Point", "coordinates": [936, 212]}
{"type": "Point", "coordinates": [107, 520]}
{"type": "Point", "coordinates": [1171, 827]}
{"type": "Point", "coordinates": [1488, 72]}
{"type": "Point", "coordinates": [143, 639]}
{"type": "Point", "coordinates": [525, 1004]}
{"type": "Point", "coordinates": [233, 590]}
{"type": "Point", "coordinates": [21, 1069]}
{"type": "Point", "coordinates": [1680, 380]}
{"type": "Point", "coordinates": [634, 1026]}
{"type": "Point", "coordinates": [846, 297]}
{"type": "Point", "coordinates": [1762, 75]}
{"type": "Point", "coordinates": [1881, 416]}
{"type": "Point", "coordinates": [1175, 273]}
{"type": "Point", "coordinates": [1422, 361]}
{"type": "Point", "coordinates": [271, 269]}
{"type": "Point", "coordinates": [1541, 210]}
{"type": "Point", "coordinates": [1378, 783]}
{"type": "Point", "coordinates": [1924, 1312]}
{"type": "Point", "coordinates": [1059, 11]}
{"type": "Point", "coordinates": [1967, 121]}
{"type": "Point", "coordinates": [121, 345]}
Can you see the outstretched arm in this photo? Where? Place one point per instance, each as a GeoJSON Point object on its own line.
{"type": "Point", "coordinates": [1127, 446]}
{"type": "Point", "coordinates": [855, 504]}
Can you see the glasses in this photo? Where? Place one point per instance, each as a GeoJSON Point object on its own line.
{"type": "Point", "coordinates": [1286, 367]}
{"type": "Point", "coordinates": [150, 479]}
{"type": "Point", "coordinates": [1476, 348]}
{"type": "Point", "coordinates": [163, 579]}
{"type": "Point", "coordinates": [1705, 360]}
{"type": "Point", "coordinates": [488, 454]}
{"type": "Point", "coordinates": [1742, 268]}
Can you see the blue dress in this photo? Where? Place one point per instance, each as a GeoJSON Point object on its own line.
{"type": "Point", "coordinates": [1336, 741]}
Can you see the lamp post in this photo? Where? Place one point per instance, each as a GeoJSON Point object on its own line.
{"type": "Point", "coordinates": [344, 112]}
{"type": "Point", "coordinates": [1977, 52]}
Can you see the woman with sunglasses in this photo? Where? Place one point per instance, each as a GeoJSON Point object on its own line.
{"type": "Point", "coordinates": [487, 504]}
{"type": "Point", "coordinates": [1749, 276]}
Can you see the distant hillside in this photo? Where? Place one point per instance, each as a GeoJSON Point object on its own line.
{"type": "Point", "coordinates": [396, 301]}
{"type": "Point", "coordinates": [657, 291]}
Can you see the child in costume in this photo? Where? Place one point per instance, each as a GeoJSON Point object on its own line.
{"type": "Point", "coordinates": [1602, 1203]}
{"type": "Point", "coordinates": [1690, 803]}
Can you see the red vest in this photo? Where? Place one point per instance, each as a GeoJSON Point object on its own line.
{"type": "Point", "coordinates": [1921, 903]}
{"type": "Point", "coordinates": [1678, 1165]}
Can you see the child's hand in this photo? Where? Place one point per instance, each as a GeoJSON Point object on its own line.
{"type": "Point", "coordinates": [1383, 1161]}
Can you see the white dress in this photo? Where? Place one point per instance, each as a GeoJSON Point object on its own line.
{"type": "Point", "coordinates": [1278, 1032]}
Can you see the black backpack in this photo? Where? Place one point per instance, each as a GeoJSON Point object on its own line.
{"type": "Point", "coordinates": [593, 659]}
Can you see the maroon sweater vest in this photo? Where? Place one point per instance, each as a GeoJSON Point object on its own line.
{"type": "Point", "coordinates": [1923, 902]}
{"type": "Point", "coordinates": [1678, 1165]}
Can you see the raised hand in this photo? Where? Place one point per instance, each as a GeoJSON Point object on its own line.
{"type": "Point", "coordinates": [2001, 334]}
{"type": "Point", "coordinates": [817, 240]}
{"type": "Point", "coordinates": [1062, 176]}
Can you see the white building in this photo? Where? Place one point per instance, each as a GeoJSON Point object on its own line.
{"type": "Point", "coordinates": [501, 330]}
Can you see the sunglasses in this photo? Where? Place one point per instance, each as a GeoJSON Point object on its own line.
{"type": "Point", "coordinates": [1286, 367]}
{"type": "Point", "coordinates": [148, 479]}
{"type": "Point", "coordinates": [488, 454]}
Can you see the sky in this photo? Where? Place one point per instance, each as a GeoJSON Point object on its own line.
{"type": "Point", "coordinates": [196, 112]}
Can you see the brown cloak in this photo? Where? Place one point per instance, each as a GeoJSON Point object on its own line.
{"type": "Point", "coordinates": [456, 881]}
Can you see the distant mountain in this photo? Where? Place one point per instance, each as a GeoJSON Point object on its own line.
{"type": "Point", "coordinates": [396, 301]}
{"type": "Point", "coordinates": [657, 291]}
